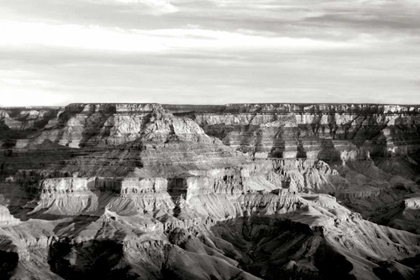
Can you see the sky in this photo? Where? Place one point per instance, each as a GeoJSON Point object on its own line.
{"type": "Point", "coordinates": [55, 52]}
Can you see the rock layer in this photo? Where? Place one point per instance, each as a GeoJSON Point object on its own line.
{"type": "Point", "coordinates": [239, 191]}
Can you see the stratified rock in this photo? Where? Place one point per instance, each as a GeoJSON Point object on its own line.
{"type": "Point", "coordinates": [238, 191]}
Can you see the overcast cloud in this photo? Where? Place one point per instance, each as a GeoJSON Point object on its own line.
{"type": "Point", "coordinates": [54, 52]}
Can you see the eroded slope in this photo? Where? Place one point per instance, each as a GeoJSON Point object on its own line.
{"type": "Point", "coordinates": [144, 191]}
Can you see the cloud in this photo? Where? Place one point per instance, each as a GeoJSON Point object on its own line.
{"type": "Point", "coordinates": [25, 34]}
{"type": "Point", "coordinates": [210, 51]}
{"type": "Point", "coordinates": [30, 35]}
{"type": "Point", "coordinates": [158, 6]}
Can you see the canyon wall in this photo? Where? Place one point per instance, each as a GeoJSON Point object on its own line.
{"type": "Point", "coordinates": [238, 191]}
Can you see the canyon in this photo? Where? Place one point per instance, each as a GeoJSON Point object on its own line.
{"type": "Point", "coordinates": [236, 191]}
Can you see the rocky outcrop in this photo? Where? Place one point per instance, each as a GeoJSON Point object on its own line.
{"type": "Point", "coordinates": [323, 131]}
{"type": "Point", "coordinates": [239, 191]}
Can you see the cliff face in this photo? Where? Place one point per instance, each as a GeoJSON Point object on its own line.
{"type": "Point", "coordinates": [244, 191]}
{"type": "Point", "coordinates": [328, 132]}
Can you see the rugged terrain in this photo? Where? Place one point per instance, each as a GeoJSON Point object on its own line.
{"type": "Point", "coordinates": [238, 191]}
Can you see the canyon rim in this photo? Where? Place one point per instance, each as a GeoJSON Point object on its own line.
{"type": "Point", "coordinates": [237, 191]}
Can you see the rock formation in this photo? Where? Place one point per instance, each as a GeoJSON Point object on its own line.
{"type": "Point", "coordinates": [238, 191]}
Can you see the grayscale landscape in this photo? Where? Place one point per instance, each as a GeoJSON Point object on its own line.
{"type": "Point", "coordinates": [238, 191]}
{"type": "Point", "coordinates": [209, 139]}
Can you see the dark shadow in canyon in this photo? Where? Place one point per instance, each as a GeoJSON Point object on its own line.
{"type": "Point", "coordinates": [279, 145]}
{"type": "Point", "coordinates": [94, 259]}
{"type": "Point", "coordinates": [8, 263]}
{"type": "Point", "coordinates": [177, 189]}
{"type": "Point", "coordinates": [328, 153]}
{"type": "Point", "coordinates": [281, 249]}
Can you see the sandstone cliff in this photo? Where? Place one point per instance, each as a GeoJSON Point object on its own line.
{"type": "Point", "coordinates": [239, 191]}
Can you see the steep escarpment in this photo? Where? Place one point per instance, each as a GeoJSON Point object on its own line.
{"type": "Point", "coordinates": [323, 131]}
{"type": "Point", "coordinates": [373, 148]}
{"type": "Point", "coordinates": [240, 191]}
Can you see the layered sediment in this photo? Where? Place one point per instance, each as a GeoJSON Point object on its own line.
{"type": "Point", "coordinates": [239, 191]}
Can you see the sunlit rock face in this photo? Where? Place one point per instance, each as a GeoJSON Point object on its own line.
{"type": "Point", "coordinates": [238, 191]}
{"type": "Point", "coordinates": [322, 131]}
